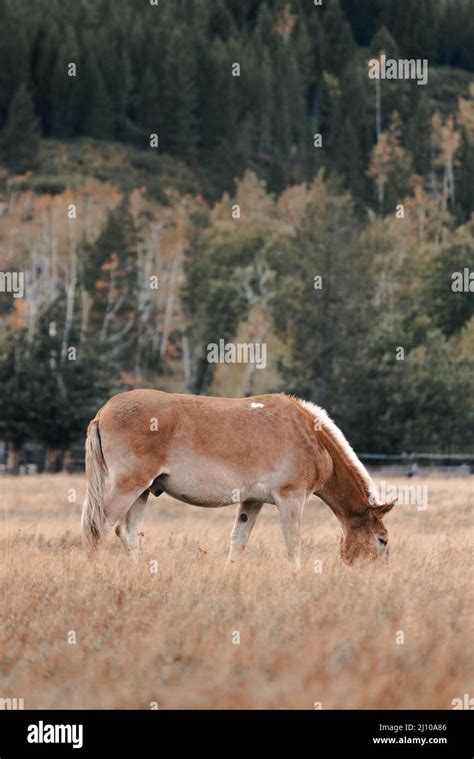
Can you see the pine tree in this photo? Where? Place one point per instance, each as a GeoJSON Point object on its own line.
{"type": "Point", "coordinates": [99, 121]}
{"type": "Point", "coordinates": [14, 52]}
{"type": "Point", "coordinates": [362, 17]}
{"type": "Point", "coordinates": [110, 277]}
{"type": "Point", "coordinates": [387, 98]}
{"type": "Point", "coordinates": [315, 33]}
{"type": "Point", "coordinates": [180, 126]}
{"type": "Point", "coordinates": [465, 185]}
{"type": "Point", "coordinates": [450, 310]}
{"type": "Point", "coordinates": [220, 22]}
{"type": "Point", "coordinates": [357, 107]}
{"type": "Point", "coordinates": [16, 397]}
{"type": "Point", "coordinates": [43, 68]}
{"type": "Point", "coordinates": [147, 107]}
{"type": "Point", "coordinates": [67, 90]}
{"type": "Point", "coordinates": [264, 148]}
{"type": "Point", "coordinates": [117, 74]}
{"type": "Point", "coordinates": [284, 98]}
{"type": "Point", "coordinates": [64, 393]}
{"type": "Point", "coordinates": [348, 160]}
{"type": "Point", "coordinates": [421, 39]}
{"type": "Point", "coordinates": [383, 42]}
{"type": "Point", "coordinates": [417, 136]}
{"type": "Point", "coordinates": [339, 44]}
{"type": "Point", "coordinates": [330, 112]}
{"type": "Point", "coordinates": [20, 136]}
{"type": "Point", "coordinates": [264, 29]}
{"type": "Point", "coordinates": [318, 323]}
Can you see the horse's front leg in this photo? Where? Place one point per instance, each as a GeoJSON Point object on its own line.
{"type": "Point", "coordinates": [244, 521]}
{"type": "Point", "coordinates": [290, 507]}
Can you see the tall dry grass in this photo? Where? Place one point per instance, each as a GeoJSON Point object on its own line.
{"type": "Point", "coordinates": [167, 637]}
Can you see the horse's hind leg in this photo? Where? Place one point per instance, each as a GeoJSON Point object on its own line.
{"type": "Point", "coordinates": [243, 525]}
{"type": "Point", "coordinates": [291, 512]}
{"type": "Point", "coordinates": [127, 529]}
{"type": "Point", "coordinates": [116, 507]}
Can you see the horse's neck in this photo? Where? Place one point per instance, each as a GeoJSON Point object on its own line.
{"type": "Point", "coordinates": [344, 492]}
{"type": "Point", "coordinates": [349, 489]}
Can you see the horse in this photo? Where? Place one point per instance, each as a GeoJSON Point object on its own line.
{"type": "Point", "coordinates": [210, 451]}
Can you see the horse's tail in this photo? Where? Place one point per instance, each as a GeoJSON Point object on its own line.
{"type": "Point", "coordinates": [96, 470]}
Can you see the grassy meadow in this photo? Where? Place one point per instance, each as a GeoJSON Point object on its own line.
{"type": "Point", "coordinates": [169, 638]}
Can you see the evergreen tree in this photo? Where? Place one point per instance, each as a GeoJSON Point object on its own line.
{"type": "Point", "coordinates": [426, 389]}
{"type": "Point", "coordinates": [284, 98]}
{"type": "Point", "coordinates": [383, 42]}
{"type": "Point", "coordinates": [421, 39]}
{"type": "Point", "coordinates": [363, 18]}
{"type": "Point", "coordinates": [315, 34]}
{"type": "Point", "coordinates": [330, 113]}
{"type": "Point", "coordinates": [418, 136]}
{"type": "Point", "coordinates": [265, 148]}
{"type": "Point", "coordinates": [390, 95]}
{"type": "Point", "coordinates": [67, 390]}
{"type": "Point", "coordinates": [43, 397]}
{"type": "Point", "coordinates": [464, 184]}
{"type": "Point", "coordinates": [348, 159]}
{"type": "Point", "coordinates": [339, 44]}
{"type": "Point", "coordinates": [357, 107]}
{"type": "Point", "coordinates": [450, 307]}
{"type": "Point", "coordinates": [147, 108]}
{"type": "Point", "coordinates": [43, 68]}
{"type": "Point", "coordinates": [13, 57]}
{"type": "Point", "coordinates": [264, 29]}
{"type": "Point", "coordinates": [16, 398]}
{"type": "Point", "coordinates": [220, 21]}
{"type": "Point", "coordinates": [110, 277]}
{"type": "Point", "coordinates": [321, 317]}
{"type": "Point", "coordinates": [213, 300]}
{"type": "Point", "coordinates": [180, 126]}
{"type": "Point", "coordinates": [118, 79]}
{"type": "Point", "coordinates": [67, 90]}
{"type": "Point", "coordinates": [99, 121]}
{"type": "Point", "coordinates": [20, 136]}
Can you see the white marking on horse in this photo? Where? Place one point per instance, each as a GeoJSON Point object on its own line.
{"type": "Point", "coordinates": [257, 405]}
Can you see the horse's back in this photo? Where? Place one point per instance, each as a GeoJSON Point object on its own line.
{"type": "Point", "coordinates": [153, 423]}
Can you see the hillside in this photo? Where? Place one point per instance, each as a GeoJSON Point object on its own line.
{"type": "Point", "coordinates": [155, 204]}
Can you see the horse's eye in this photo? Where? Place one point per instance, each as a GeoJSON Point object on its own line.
{"type": "Point", "coordinates": [383, 541]}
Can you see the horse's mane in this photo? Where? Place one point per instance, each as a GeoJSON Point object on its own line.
{"type": "Point", "coordinates": [339, 442]}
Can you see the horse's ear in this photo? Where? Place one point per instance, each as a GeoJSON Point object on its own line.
{"type": "Point", "coordinates": [384, 508]}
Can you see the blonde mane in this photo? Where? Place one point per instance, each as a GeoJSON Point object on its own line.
{"type": "Point", "coordinates": [326, 424]}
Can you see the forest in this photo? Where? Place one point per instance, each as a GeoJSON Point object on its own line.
{"type": "Point", "coordinates": [173, 174]}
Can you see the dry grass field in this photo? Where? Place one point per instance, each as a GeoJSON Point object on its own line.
{"type": "Point", "coordinates": [330, 637]}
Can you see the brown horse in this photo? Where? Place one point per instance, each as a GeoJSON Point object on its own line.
{"type": "Point", "coordinates": [218, 451]}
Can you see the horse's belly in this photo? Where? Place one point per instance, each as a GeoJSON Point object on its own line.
{"type": "Point", "coordinates": [214, 487]}
{"type": "Point", "coordinates": [197, 495]}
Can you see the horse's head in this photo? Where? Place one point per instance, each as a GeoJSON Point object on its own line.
{"type": "Point", "coordinates": [365, 537]}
